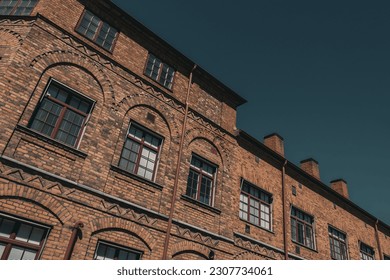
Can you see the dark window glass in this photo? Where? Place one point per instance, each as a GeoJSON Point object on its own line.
{"type": "Point", "coordinates": [302, 228]}
{"type": "Point", "coordinates": [97, 30]}
{"type": "Point", "coordinates": [366, 252]}
{"type": "Point", "coordinates": [159, 71]}
{"type": "Point", "coordinates": [20, 240]}
{"type": "Point", "coordinates": [386, 257]}
{"type": "Point", "coordinates": [61, 114]}
{"type": "Point", "coordinates": [255, 205]}
{"type": "Point", "coordinates": [200, 182]}
{"type": "Point", "coordinates": [338, 244]}
{"type": "Point", "coordinates": [105, 251]}
{"type": "Point", "coordinates": [17, 7]}
{"type": "Point", "coordinates": [140, 152]}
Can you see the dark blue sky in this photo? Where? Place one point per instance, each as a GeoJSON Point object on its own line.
{"type": "Point", "coordinates": [316, 72]}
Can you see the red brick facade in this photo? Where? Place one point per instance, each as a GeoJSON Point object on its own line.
{"type": "Point", "coordinates": [49, 183]}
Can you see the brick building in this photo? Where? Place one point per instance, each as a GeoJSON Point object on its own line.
{"type": "Point", "coordinates": [115, 145]}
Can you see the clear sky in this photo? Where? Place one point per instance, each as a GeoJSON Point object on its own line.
{"type": "Point", "coordinates": [316, 72]}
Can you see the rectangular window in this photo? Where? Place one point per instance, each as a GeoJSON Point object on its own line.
{"type": "Point", "coordinates": [17, 7]}
{"type": "Point", "coordinates": [159, 71]}
{"type": "Point", "coordinates": [255, 205]}
{"type": "Point", "coordinates": [61, 114]}
{"type": "Point", "coordinates": [20, 240]}
{"type": "Point", "coordinates": [338, 244]}
{"type": "Point", "coordinates": [302, 228]}
{"type": "Point", "coordinates": [386, 257]}
{"type": "Point", "coordinates": [366, 252]}
{"type": "Point", "coordinates": [97, 30]}
{"type": "Point", "coordinates": [201, 180]}
{"type": "Point", "coordinates": [106, 251]}
{"type": "Point", "coordinates": [140, 152]}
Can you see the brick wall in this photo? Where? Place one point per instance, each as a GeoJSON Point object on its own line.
{"type": "Point", "coordinates": [58, 185]}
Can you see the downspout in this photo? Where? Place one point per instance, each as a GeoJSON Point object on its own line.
{"type": "Point", "coordinates": [377, 240]}
{"type": "Point", "coordinates": [175, 185]}
{"type": "Point", "coordinates": [73, 238]}
{"type": "Point", "coordinates": [284, 210]}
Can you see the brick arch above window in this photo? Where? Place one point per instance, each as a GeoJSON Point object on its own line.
{"type": "Point", "coordinates": [50, 59]}
{"type": "Point", "coordinates": [47, 202]}
{"type": "Point", "coordinates": [221, 147]}
{"type": "Point", "coordinates": [134, 100]}
{"type": "Point", "coordinates": [10, 37]}
{"type": "Point", "coordinates": [185, 247]}
{"type": "Point", "coordinates": [109, 223]}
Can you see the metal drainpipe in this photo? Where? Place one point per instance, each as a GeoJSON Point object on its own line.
{"type": "Point", "coordinates": [284, 210]}
{"type": "Point", "coordinates": [73, 238]}
{"type": "Point", "coordinates": [377, 240]}
{"type": "Point", "coordinates": [175, 185]}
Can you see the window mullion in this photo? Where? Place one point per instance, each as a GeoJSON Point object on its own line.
{"type": "Point", "coordinates": [6, 252]}
{"type": "Point", "coordinates": [15, 7]}
{"type": "Point", "coordinates": [58, 123]}
{"type": "Point", "coordinates": [199, 185]}
{"type": "Point", "coordinates": [98, 30]}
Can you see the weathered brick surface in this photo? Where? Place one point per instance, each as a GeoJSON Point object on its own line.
{"type": "Point", "coordinates": [119, 207]}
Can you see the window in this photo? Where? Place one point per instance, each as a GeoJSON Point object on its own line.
{"type": "Point", "coordinates": [366, 252]}
{"type": "Point", "coordinates": [17, 7]}
{"type": "Point", "coordinates": [386, 257]}
{"type": "Point", "coordinates": [97, 30]}
{"type": "Point", "coordinates": [140, 152]}
{"type": "Point", "coordinates": [302, 228]}
{"type": "Point", "coordinates": [338, 245]}
{"type": "Point", "coordinates": [255, 205]}
{"type": "Point", "coordinates": [20, 240]}
{"type": "Point", "coordinates": [61, 114]}
{"type": "Point", "coordinates": [201, 179]}
{"type": "Point", "coordinates": [159, 71]}
{"type": "Point", "coordinates": [105, 251]}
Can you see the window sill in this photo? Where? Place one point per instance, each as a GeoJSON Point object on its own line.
{"type": "Point", "coordinates": [304, 246]}
{"type": "Point", "coordinates": [196, 202]}
{"type": "Point", "coordinates": [136, 177]}
{"type": "Point", "coordinates": [250, 224]}
{"type": "Point", "coordinates": [51, 141]}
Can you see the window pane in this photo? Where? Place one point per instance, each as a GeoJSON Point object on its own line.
{"type": "Point", "coordinates": [29, 254]}
{"type": "Point", "coordinates": [6, 228]}
{"type": "Point", "coordinates": [2, 247]}
{"type": "Point", "coordinates": [24, 233]}
{"type": "Point", "coordinates": [101, 252]}
{"type": "Point", "coordinates": [16, 253]}
{"type": "Point", "coordinates": [192, 184]}
{"type": "Point", "coordinates": [36, 236]}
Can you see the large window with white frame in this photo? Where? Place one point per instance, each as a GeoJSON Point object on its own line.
{"type": "Point", "coordinates": [109, 251]}
{"type": "Point", "coordinates": [255, 205]}
{"type": "Point", "coordinates": [302, 230]}
{"type": "Point", "coordinates": [17, 7]}
{"type": "Point", "coordinates": [21, 240]}
{"type": "Point", "coordinates": [201, 180]}
{"type": "Point", "coordinates": [140, 152]}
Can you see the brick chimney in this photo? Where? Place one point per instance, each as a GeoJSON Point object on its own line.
{"type": "Point", "coordinates": [275, 142]}
{"type": "Point", "coordinates": [311, 167]}
{"type": "Point", "coordinates": [340, 186]}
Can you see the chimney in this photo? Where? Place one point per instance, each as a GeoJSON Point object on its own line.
{"type": "Point", "coordinates": [311, 167]}
{"type": "Point", "coordinates": [340, 186]}
{"type": "Point", "coordinates": [275, 142]}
